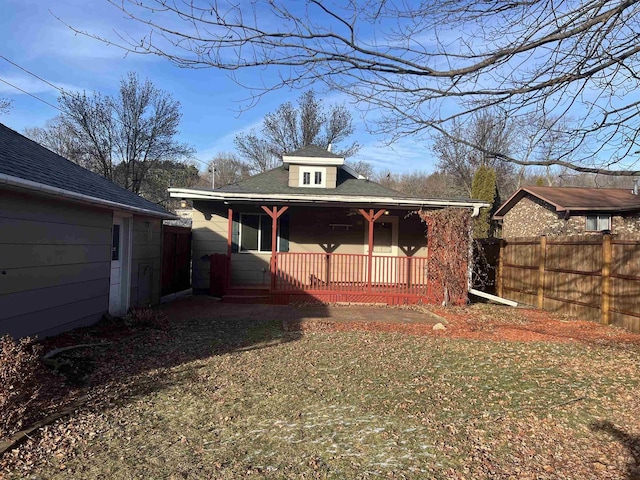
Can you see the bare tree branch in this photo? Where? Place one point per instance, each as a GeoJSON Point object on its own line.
{"type": "Point", "coordinates": [424, 65]}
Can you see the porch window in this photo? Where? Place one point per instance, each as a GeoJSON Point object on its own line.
{"type": "Point", "coordinates": [255, 232]}
{"type": "Point", "coordinates": [597, 223]}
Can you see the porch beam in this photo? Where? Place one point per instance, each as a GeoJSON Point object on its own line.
{"type": "Point", "coordinates": [274, 213]}
{"type": "Point", "coordinates": [371, 217]}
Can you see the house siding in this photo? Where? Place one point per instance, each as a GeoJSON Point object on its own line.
{"type": "Point", "coordinates": [532, 217]}
{"type": "Point", "coordinates": [209, 235]}
{"type": "Point", "coordinates": [294, 175]}
{"type": "Point", "coordinates": [331, 180]}
{"type": "Point", "coordinates": [55, 263]}
{"type": "Point", "coordinates": [146, 262]}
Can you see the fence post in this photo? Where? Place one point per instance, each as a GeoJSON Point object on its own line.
{"type": "Point", "coordinates": [541, 262]}
{"type": "Point", "coordinates": [606, 280]}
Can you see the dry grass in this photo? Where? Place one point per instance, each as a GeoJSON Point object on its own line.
{"type": "Point", "coordinates": [243, 399]}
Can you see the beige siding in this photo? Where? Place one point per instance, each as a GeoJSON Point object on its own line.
{"type": "Point", "coordinates": [332, 177]}
{"type": "Point", "coordinates": [330, 180]}
{"type": "Point", "coordinates": [250, 268]}
{"type": "Point", "coordinates": [146, 261]}
{"type": "Point", "coordinates": [54, 264]}
{"type": "Point", "coordinates": [334, 230]}
{"type": "Point", "coordinates": [294, 175]}
{"type": "Point", "coordinates": [209, 233]}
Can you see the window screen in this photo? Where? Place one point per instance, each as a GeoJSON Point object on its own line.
{"type": "Point", "coordinates": [249, 236]}
{"type": "Point", "coordinates": [597, 223]}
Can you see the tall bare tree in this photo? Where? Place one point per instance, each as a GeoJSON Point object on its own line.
{"type": "Point", "coordinates": [488, 130]}
{"type": "Point", "coordinates": [59, 138]}
{"type": "Point", "coordinates": [362, 167]}
{"type": "Point", "coordinates": [227, 168]}
{"type": "Point", "coordinates": [124, 137]}
{"type": "Point", "coordinates": [292, 127]}
{"type": "Point", "coordinates": [423, 65]}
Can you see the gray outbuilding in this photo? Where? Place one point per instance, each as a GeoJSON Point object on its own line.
{"type": "Point", "coordinates": [73, 245]}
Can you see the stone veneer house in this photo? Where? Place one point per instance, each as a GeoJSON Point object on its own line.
{"type": "Point", "coordinates": [311, 227]}
{"type": "Point", "coordinates": [564, 211]}
{"type": "Point", "coordinates": [73, 245]}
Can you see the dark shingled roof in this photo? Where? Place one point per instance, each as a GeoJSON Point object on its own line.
{"type": "Point", "coordinates": [277, 180]}
{"type": "Point", "coordinates": [26, 159]}
{"type": "Point", "coordinates": [312, 151]}
{"type": "Point", "coordinates": [577, 199]}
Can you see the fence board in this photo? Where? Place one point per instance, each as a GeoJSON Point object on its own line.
{"type": "Point", "coordinates": [176, 259]}
{"type": "Point", "coordinates": [573, 271]}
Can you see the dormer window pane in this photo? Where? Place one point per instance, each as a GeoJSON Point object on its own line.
{"type": "Point", "coordinates": [306, 178]}
{"type": "Point", "coordinates": [318, 178]}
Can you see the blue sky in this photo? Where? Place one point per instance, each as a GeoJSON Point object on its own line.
{"type": "Point", "coordinates": [32, 36]}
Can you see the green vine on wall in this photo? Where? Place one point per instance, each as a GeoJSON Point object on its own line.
{"type": "Point", "coordinates": [448, 236]}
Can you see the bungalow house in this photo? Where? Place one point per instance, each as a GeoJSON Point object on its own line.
{"type": "Point", "coordinates": [563, 211]}
{"type": "Point", "coordinates": [73, 245]}
{"type": "Point", "coordinates": [311, 227]}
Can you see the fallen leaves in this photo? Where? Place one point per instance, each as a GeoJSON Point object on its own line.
{"type": "Point", "coordinates": [227, 394]}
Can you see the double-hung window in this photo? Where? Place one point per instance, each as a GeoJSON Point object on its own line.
{"type": "Point", "coordinates": [255, 232]}
{"type": "Point", "coordinates": [313, 177]}
{"type": "Point", "coordinates": [597, 223]}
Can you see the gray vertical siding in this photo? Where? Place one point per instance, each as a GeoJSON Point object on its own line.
{"type": "Point", "coordinates": [146, 261]}
{"type": "Point", "coordinates": [54, 264]}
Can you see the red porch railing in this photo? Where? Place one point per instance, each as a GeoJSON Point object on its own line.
{"type": "Point", "coordinates": [337, 272]}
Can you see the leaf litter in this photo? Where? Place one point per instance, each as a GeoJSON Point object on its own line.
{"type": "Point", "coordinates": [223, 397]}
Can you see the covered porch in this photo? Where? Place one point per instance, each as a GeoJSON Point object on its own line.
{"type": "Point", "coordinates": [296, 247]}
{"type": "Point", "coordinates": [331, 255]}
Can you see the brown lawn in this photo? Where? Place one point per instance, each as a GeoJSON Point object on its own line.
{"type": "Point", "coordinates": [226, 392]}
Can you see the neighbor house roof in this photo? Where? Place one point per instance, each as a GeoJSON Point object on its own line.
{"type": "Point", "coordinates": [28, 165]}
{"type": "Point", "coordinates": [566, 199]}
{"type": "Point", "coordinates": [273, 186]}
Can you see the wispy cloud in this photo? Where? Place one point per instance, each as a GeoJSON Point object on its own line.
{"type": "Point", "coordinates": [32, 85]}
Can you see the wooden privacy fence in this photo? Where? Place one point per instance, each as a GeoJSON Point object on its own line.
{"type": "Point", "coordinates": [593, 276]}
{"type": "Point", "coordinates": [176, 259]}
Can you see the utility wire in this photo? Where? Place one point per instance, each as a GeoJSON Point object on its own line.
{"type": "Point", "coordinates": [61, 90]}
{"type": "Point", "coordinates": [31, 94]}
{"type": "Point", "coordinates": [32, 74]}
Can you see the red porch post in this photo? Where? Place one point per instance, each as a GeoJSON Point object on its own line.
{"type": "Point", "coordinates": [227, 280]}
{"type": "Point", "coordinates": [274, 213]}
{"type": "Point", "coordinates": [371, 217]}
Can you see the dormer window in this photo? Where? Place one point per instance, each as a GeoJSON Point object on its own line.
{"type": "Point", "coordinates": [313, 177]}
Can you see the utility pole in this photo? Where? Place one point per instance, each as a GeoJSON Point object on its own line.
{"type": "Point", "coordinates": [212, 170]}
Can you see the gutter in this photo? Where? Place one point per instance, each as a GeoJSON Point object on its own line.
{"type": "Point", "coordinates": [306, 198]}
{"type": "Point", "coordinates": [78, 197]}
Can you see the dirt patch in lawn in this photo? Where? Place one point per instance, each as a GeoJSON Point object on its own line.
{"type": "Point", "coordinates": [477, 322]}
